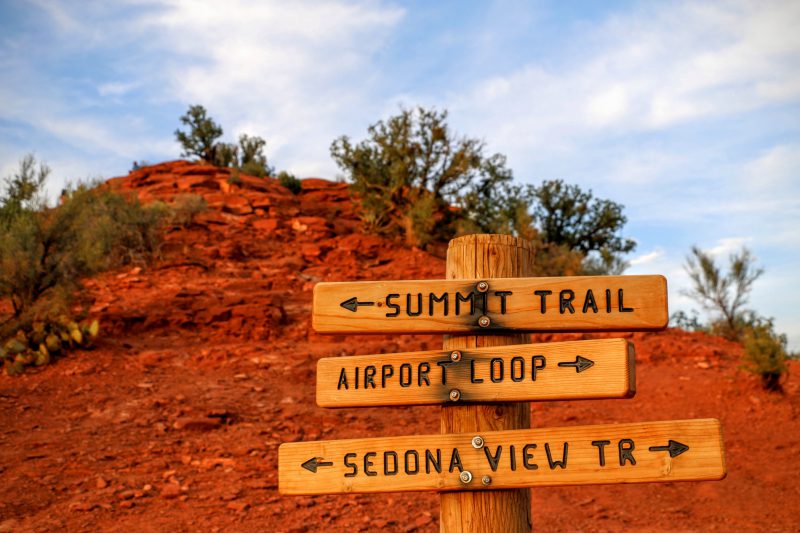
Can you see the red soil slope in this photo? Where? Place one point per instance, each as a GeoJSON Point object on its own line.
{"type": "Point", "coordinates": [207, 363]}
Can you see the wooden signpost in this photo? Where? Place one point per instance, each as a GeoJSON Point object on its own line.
{"type": "Point", "coordinates": [581, 303]}
{"type": "Point", "coordinates": [487, 457]}
{"type": "Point", "coordinates": [619, 453]}
{"type": "Point", "coordinates": [526, 372]}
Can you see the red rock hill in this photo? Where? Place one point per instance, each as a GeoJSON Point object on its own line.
{"type": "Point", "coordinates": [206, 363]}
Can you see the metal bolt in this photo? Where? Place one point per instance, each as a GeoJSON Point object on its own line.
{"type": "Point", "coordinates": [455, 395]}
{"type": "Point", "coordinates": [482, 286]}
{"type": "Point", "coordinates": [486, 480]}
{"type": "Point", "coordinates": [455, 356]}
{"type": "Point", "coordinates": [465, 476]}
{"type": "Point", "coordinates": [484, 321]}
{"type": "Point", "coordinates": [477, 442]}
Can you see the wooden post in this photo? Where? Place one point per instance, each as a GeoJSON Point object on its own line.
{"type": "Point", "coordinates": [486, 257]}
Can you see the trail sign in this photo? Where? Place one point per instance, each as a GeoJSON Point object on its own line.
{"type": "Point", "coordinates": [681, 450]}
{"type": "Point", "coordinates": [602, 368]}
{"type": "Point", "coordinates": [580, 303]}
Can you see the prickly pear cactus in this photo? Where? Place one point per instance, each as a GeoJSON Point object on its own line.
{"type": "Point", "coordinates": [43, 340]}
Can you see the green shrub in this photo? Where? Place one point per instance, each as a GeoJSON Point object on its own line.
{"type": "Point", "coordinates": [252, 160]}
{"type": "Point", "coordinates": [413, 161]}
{"type": "Point", "coordinates": [420, 222]}
{"type": "Point", "coordinates": [200, 140]}
{"type": "Point", "coordinates": [417, 179]}
{"type": "Point", "coordinates": [724, 293]}
{"type": "Point", "coordinates": [234, 178]}
{"type": "Point", "coordinates": [226, 155]}
{"type": "Point", "coordinates": [765, 352]}
{"type": "Point", "coordinates": [46, 251]}
{"type": "Point", "coordinates": [185, 207]}
{"type": "Point", "coordinates": [681, 320]}
{"type": "Point", "coordinates": [290, 182]}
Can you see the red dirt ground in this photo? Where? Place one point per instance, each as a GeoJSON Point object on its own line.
{"type": "Point", "coordinates": [207, 364]}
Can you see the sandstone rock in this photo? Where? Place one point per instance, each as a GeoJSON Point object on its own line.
{"type": "Point", "coordinates": [238, 506]}
{"type": "Point", "coordinates": [236, 205]}
{"type": "Point", "coordinates": [197, 423]}
{"type": "Point", "coordinates": [170, 490]}
{"type": "Point", "coordinates": [266, 224]}
{"type": "Point", "coordinates": [82, 506]}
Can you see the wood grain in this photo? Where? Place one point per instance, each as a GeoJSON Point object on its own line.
{"type": "Point", "coordinates": [526, 372]}
{"type": "Point", "coordinates": [590, 303]}
{"type": "Point", "coordinates": [703, 459]}
{"type": "Point", "coordinates": [509, 510]}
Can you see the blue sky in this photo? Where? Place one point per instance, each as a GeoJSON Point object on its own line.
{"type": "Point", "coordinates": [688, 113]}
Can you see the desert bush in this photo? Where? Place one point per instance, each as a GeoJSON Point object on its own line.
{"type": "Point", "coordinates": [682, 320]}
{"type": "Point", "coordinates": [252, 160]}
{"type": "Point", "coordinates": [200, 140]}
{"type": "Point", "coordinates": [185, 207]}
{"type": "Point", "coordinates": [765, 352]}
{"type": "Point", "coordinates": [413, 158]}
{"type": "Point", "coordinates": [46, 251]}
{"type": "Point", "coordinates": [226, 155]}
{"type": "Point", "coordinates": [289, 181]}
{"type": "Point", "coordinates": [235, 178]}
{"type": "Point", "coordinates": [723, 293]}
{"type": "Point", "coordinates": [416, 179]}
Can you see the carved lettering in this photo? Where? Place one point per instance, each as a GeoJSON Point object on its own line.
{"type": "Point", "coordinates": [389, 304]}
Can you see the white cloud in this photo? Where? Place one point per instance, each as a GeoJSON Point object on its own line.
{"type": "Point", "coordinates": [778, 166]}
{"type": "Point", "coordinates": [647, 258]}
{"type": "Point", "coordinates": [116, 88]}
{"type": "Point", "coordinates": [654, 67]}
{"type": "Point", "coordinates": [295, 73]}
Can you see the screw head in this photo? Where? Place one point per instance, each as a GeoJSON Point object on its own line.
{"type": "Point", "coordinates": [465, 476]}
{"type": "Point", "coordinates": [455, 395]}
{"type": "Point", "coordinates": [455, 356]}
{"type": "Point", "coordinates": [482, 286]}
{"type": "Point", "coordinates": [484, 321]}
{"type": "Point", "coordinates": [477, 442]}
{"type": "Point", "coordinates": [486, 480]}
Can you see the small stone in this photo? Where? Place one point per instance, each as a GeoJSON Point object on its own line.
{"type": "Point", "coordinates": [126, 494]}
{"type": "Point", "coordinates": [8, 526]}
{"type": "Point", "coordinates": [266, 224]}
{"type": "Point", "coordinates": [229, 496]}
{"type": "Point", "coordinates": [171, 490]}
{"type": "Point", "coordinates": [101, 483]}
{"type": "Point", "coordinates": [127, 504]}
{"type": "Point", "coordinates": [238, 506]}
{"type": "Point", "coordinates": [82, 506]}
{"type": "Point", "coordinates": [147, 488]}
{"type": "Point", "coordinates": [197, 423]}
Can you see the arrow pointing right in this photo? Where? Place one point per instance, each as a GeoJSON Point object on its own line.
{"type": "Point", "coordinates": [315, 462]}
{"type": "Point", "coordinates": [580, 364]}
{"type": "Point", "coordinates": [674, 448]}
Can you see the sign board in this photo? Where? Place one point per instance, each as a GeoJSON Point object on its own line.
{"type": "Point", "coordinates": [680, 450]}
{"type": "Point", "coordinates": [602, 368]}
{"type": "Point", "coordinates": [581, 303]}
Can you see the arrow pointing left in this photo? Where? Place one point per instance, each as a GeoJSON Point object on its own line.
{"type": "Point", "coordinates": [352, 304]}
{"type": "Point", "coordinates": [315, 462]}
